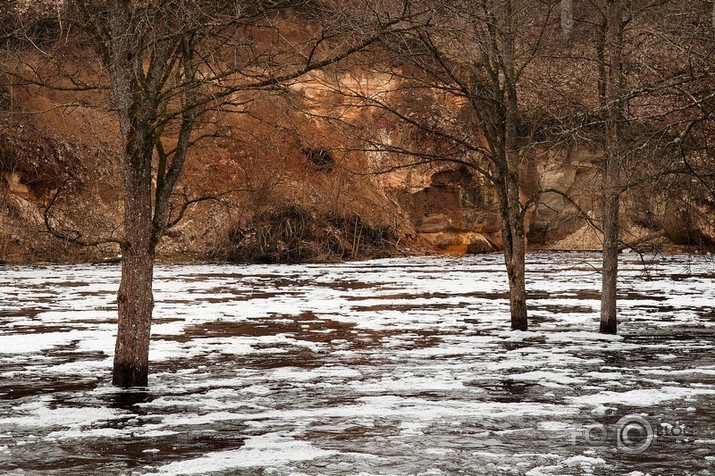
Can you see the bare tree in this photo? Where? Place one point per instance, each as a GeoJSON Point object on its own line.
{"type": "Point", "coordinates": [454, 89]}
{"type": "Point", "coordinates": [461, 82]}
{"type": "Point", "coordinates": [167, 64]}
{"type": "Point", "coordinates": [649, 61]}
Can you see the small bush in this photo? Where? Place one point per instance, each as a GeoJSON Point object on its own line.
{"type": "Point", "coordinates": [294, 235]}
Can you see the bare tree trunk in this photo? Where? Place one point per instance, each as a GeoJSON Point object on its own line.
{"type": "Point", "coordinates": [136, 117]}
{"type": "Point", "coordinates": [611, 173]}
{"type": "Point", "coordinates": [135, 303]}
{"type": "Point", "coordinates": [566, 17]}
{"type": "Point", "coordinates": [512, 225]}
{"type": "Point", "coordinates": [515, 249]}
{"type": "Point", "coordinates": [135, 300]}
{"type": "Point", "coordinates": [609, 279]}
{"type": "Point", "coordinates": [601, 61]}
{"type": "Point", "coordinates": [511, 209]}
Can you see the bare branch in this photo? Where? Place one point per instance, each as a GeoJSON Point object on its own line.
{"type": "Point", "coordinates": [70, 235]}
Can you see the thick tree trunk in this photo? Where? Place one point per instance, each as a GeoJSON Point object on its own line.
{"type": "Point", "coordinates": [134, 299]}
{"type": "Point", "coordinates": [137, 114]}
{"type": "Point", "coordinates": [135, 303]}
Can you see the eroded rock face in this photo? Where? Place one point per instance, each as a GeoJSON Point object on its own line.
{"type": "Point", "coordinates": [455, 211]}
{"type": "Point", "coordinates": [459, 242]}
{"type": "Point", "coordinates": [555, 219]}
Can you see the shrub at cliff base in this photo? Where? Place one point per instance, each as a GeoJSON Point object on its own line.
{"type": "Point", "coordinates": [292, 234]}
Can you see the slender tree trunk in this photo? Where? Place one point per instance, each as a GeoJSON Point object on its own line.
{"type": "Point", "coordinates": [512, 216]}
{"type": "Point", "coordinates": [514, 252]}
{"type": "Point", "coordinates": [611, 173]}
{"type": "Point", "coordinates": [601, 62]}
{"type": "Point", "coordinates": [611, 228]}
{"type": "Point", "coordinates": [566, 17]}
{"type": "Point", "coordinates": [609, 280]}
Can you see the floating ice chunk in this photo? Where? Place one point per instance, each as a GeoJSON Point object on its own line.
{"type": "Point", "coordinates": [642, 397]}
{"type": "Point", "coordinates": [602, 410]}
{"type": "Point", "coordinates": [39, 414]}
{"type": "Point", "coordinates": [293, 374]}
{"type": "Point", "coordinates": [270, 450]}
{"type": "Point", "coordinates": [584, 461]}
{"type": "Point", "coordinates": [20, 344]}
{"type": "Point", "coordinates": [547, 378]}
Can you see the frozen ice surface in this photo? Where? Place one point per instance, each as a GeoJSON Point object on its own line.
{"type": "Point", "coordinates": [399, 366]}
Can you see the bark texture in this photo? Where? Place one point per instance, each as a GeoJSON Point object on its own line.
{"type": "Point", "coordinates": [514, 253]}
{"type": "Point", "coordinates": [566, 17]}
{"type": "Point", "coordinates": [135, 304]}
{"type": "Point", "coordinates": [612, 164]}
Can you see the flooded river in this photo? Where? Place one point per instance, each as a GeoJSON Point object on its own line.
{"type": "Point", "coordinates": [390, 367]}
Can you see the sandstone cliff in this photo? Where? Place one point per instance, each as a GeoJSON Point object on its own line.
{"type": "Point", "coordinates": [286, 161]}
{"type": "Point", "coordinates": [277, 182]}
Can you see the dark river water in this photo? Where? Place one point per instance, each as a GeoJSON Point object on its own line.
{"type": "Point", "coordinates": [389, 367]}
